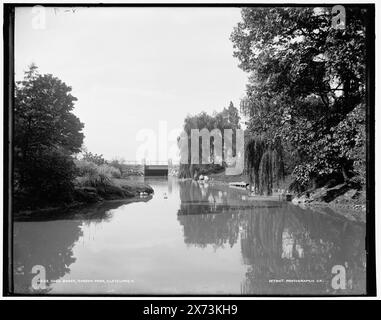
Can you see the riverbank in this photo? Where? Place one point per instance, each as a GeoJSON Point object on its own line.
{"type": "Point", "coordinates": [341, 198]}
{"type": "Point", "coordinates": [117, 189]}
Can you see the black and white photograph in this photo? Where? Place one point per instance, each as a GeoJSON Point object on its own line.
{"type": "Point", "coordinates": [178, 150]}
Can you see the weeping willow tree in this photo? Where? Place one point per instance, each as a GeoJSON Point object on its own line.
{"type": "Point", "coordinates": [264, 164]}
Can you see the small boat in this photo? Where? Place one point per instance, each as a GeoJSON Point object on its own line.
{"type": "Point", "coordinates": [241, 184]}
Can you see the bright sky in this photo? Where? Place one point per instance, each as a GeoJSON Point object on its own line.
{"type": "Point", "coordinates": [137, 72]}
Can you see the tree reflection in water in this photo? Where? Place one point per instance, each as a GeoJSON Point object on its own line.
{"type": "Point", "coordinates": [288, 250]}
{"type": "Point", "coordinates": [40, 240]}
{"type": "Point", "coordinates": [50, 248]}
{"type": "Point", "coordinates": [276, 240]}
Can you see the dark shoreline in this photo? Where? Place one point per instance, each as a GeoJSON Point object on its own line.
{"type": "Point", "coordinates": [122, 190]}
{"type": "Point", "coordinates": [76, 210]}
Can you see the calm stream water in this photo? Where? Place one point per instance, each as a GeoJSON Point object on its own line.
{"type": "Point", "coordinates": [191, 239]}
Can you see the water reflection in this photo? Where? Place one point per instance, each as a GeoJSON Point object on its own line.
{"type": "Point", "coordinates": [51, 249]}
{"type": "Point", "coordinates": [288, 250]}
{"type": "Point", "coordinates": [47, 240]}
{"type": "Point", "coordinates": [191, 238]}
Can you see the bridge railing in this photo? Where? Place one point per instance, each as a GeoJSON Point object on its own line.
{"type": "Point", "coordinates": [132, 162]}
{"type": "Point", "coordinates": [153, 163]}
{"type": "Point", "coordinates": [148, 162]}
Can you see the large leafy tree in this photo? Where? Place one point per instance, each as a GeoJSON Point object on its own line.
{"type": "Point", "coordinates": [43, 114]}
{"type": "Point", "coordinates": [46, 135]}
{"type": "Point", "coordinates": [306, 77]}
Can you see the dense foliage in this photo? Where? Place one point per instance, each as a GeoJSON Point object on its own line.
{"type": "Point", "coordinates": [93, 175]}
{"type": "Point", "coordinates": [46, 135]}
{"type": "Point", "coordinates": [228, 118]}
{"type": "Point", "coordinates": [306, 88]}
{"type": "Point", "coordinates": [264, 163]}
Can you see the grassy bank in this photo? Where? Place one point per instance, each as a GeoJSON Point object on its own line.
{"type": "Point", "coordinates": [104, 182]}
{"type": "Point", "coordinates": [84, 195]}
{"type": "Point", "coordinates": [112, 190]}
{"type": "Point", "coordinates": [93, 184]}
